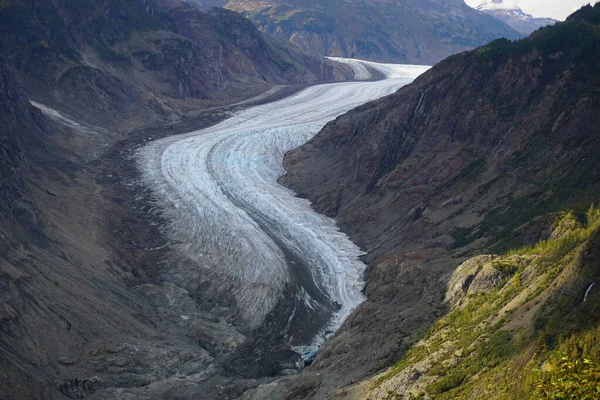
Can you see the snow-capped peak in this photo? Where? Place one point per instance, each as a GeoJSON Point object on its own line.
{"type": "Point", "coordinates": [498, 5]}
{"type": "Point", "coordinates": [511, 14]}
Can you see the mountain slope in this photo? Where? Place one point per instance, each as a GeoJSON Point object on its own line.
{"type": "Point", "coordinates": [401, 31]}
{"type": "Point", "coordinates": [88, 304]}
{"type": "Point", "coordinates": [513, 16]}
{"type": "Point", "coordinates": [84, 311]}
{"type": "Point", "coordinates": [138, 59]}
{"type": "Point", "coordinates": [522, 325]}
{"type": "Point", "coordinates": [21, 133]}
{"type": "Point", "coordinates": [455, 164]}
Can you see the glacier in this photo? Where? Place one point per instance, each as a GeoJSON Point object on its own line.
{"type": "Point", "coordinates": [251, 237]}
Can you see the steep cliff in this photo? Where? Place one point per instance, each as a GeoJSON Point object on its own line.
{"type": "Point", "coordinates": [401, 31]}
{"type": "Point", "coordinates": [473, 157]}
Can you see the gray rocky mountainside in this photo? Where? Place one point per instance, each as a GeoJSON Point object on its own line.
{"type": "Point", "coordinates": [134, 60]}
{"type": "Point", "coordinates": [514, 16]}
{"type": "Point", "coordinates": [474, 157]}
{"type": "Point", "coordinates": [86, 307]}
{"type": "Point", "coordinates": [401, 31]}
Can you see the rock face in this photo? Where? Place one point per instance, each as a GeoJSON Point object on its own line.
{"type": "Point", "coordinates": [454, 164]}
{"type": "Point", "coordinates": [400, 31]}
{"type": "Point", "coordinates": [513, 16]}
{"type": "Point", "coordinates": [89, 304]}
{"type": "Point", "coordinates": [138, 59]}
{"type": "Point", "coordinates": [22, 133]}
{"type": "Point", "coordinates": [462, 279]}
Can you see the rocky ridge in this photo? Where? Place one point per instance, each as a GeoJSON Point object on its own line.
{"type": "Point", "coordinates": [398, 31]}
{"type": "Point", "coordinates": [137, 60]}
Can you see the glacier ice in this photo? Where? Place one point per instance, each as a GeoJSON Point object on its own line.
{"type": "Point", "coordinates": [218, 189]}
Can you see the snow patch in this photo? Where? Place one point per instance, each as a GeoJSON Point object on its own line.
{"type": "Point", "coordinates": [499, 5]}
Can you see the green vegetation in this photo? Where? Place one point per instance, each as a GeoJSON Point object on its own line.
{"type": "Point", "coordinates": [462, 237]}
{"type": "Point", "coordinates": [573, 379]}
{"type": "Point", "coordinates": [575, 190]}
{"type": "Point", "coordinates": [532, 340]}
{"type": "Point", "coordinates": [470, 172]}
{"type": "Point", "coordinates": [32, 27]}
{"type": "Point", "coordinates": [507, 266]}
{"type": "Point", "coordinates": [566, 57]}
{"type": "Point", "coordinates": [568, 239]}
{"type": "Point", "coordinates": [108, 54]}
{"type": "Point", "coordinates": [577, 39]}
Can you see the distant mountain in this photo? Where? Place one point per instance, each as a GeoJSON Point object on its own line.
{"type": "Point", "coordinates": [513, 16]}
{"type": "Point", "coordinates": [404, 31]}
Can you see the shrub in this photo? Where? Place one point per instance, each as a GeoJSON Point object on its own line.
{"type": "Point", "coordinates": [573, 379]}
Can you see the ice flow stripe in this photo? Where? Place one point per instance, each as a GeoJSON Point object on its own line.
{"type": "Point", "coordinates": [218, 188]}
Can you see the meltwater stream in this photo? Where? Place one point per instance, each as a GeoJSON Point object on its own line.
{"type": "Point", "coordinates": [253, 238]}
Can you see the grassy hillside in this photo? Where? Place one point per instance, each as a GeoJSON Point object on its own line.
{"type": "Point", "coordinates": [522, 325]}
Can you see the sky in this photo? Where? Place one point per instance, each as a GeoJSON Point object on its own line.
{"type": "Point", "coordinates": [557, 9]}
